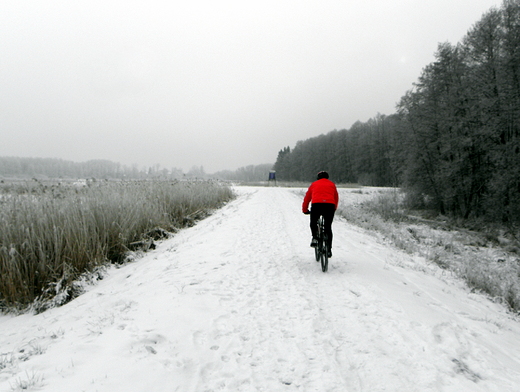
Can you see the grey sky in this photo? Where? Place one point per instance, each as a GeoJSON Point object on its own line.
{"type": "Point", "coordinates": [221, 84]}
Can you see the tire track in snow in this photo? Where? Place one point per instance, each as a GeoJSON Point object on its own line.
{"type": "Point", "coordinates": [273, 325]}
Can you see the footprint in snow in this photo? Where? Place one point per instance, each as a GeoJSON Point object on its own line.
{"type": "Point", "coordinates": [200, 338]}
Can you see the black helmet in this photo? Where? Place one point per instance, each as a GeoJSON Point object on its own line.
{"type": "Point", "coordinates": [323, 174]}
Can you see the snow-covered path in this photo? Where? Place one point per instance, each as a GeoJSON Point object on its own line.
{"type": "Point", "coordinates": [237, 303]}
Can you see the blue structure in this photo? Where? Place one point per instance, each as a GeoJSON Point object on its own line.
{"type": "Point", "coordinates": [272, 176]}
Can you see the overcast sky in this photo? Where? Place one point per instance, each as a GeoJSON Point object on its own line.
{"type": "Point", "coordinates": [222, 84]}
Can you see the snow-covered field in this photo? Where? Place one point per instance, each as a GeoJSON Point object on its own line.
{"type": "Point", "coordinates": [237, 303]}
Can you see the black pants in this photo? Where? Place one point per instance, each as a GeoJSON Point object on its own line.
{"type": "Point", "coordinates": [327, 210]}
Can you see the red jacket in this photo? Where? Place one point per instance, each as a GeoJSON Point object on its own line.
{"type": "Point", "coordinates": [321, 191]}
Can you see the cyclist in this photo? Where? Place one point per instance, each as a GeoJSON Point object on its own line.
{"type": "Point", "coordinates": [323, 196]}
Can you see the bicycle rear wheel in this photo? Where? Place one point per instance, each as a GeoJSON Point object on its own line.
{"type": "Point", "coordinates": [324, 253]}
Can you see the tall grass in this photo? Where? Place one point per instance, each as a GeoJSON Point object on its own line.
{"type": "Point", "coordinates": [50, 235]}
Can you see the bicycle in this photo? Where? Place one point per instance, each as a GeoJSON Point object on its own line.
{"type": "Point", "coordinates": [321, 251]}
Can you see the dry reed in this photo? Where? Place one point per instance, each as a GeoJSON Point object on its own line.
{"type": "Point", "coordinates": [50, 235]}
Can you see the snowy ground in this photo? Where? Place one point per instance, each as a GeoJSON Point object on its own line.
{"type": "Point", "coordinates": [237, 303]}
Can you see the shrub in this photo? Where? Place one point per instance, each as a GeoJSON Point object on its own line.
{"type": "Point", "coordinates": [481, 256]}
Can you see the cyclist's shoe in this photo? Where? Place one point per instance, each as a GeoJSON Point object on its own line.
{"type": "Point", "coordinates": [314, 243]}
{"type": "Point", "coordinates": [329, 254]}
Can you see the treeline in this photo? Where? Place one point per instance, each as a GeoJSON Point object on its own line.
{"type": "Point", "coordinates": [16, 167]}
{"type": "Point", "coordinates": [361, 154]}
{"type": "Point", "coordinates": [53, 168]}
{"type": "Point", "coordinates": [250, 173]}
{"type": "Point", "coordinates": [455, 138]}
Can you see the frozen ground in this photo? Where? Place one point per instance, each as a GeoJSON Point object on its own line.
{"type": "Point", "coordinates": [237, 303]}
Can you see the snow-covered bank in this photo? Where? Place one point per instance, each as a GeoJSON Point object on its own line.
{"type": "Point", "coordinates": [237, 303]}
